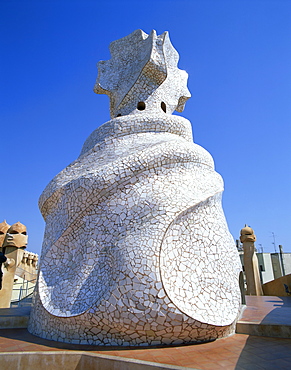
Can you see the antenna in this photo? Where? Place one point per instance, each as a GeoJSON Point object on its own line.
{"type": "Point", "coordinates": [274, 242]}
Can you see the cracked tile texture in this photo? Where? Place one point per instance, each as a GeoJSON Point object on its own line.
{"type": "Point", "coordinates": [136, 248]}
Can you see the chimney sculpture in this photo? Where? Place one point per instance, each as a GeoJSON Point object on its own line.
{"type": "Point", "coordinates": [4, 227]}
{"type": "Point", "coordinates": [136, 249]}
{"type": "Point", "coordinates": [248, 238]}
{"type": "Point", "coordinates": [13, 245]}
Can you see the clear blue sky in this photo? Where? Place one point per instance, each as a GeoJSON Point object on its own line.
{"type": "Point", "coordinates": [237, 55]}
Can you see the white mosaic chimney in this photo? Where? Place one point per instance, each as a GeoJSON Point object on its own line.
{"type": "Point", "coordinates": [136, 249]}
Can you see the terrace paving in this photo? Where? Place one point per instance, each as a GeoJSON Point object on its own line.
{"type": "Point", "coordinates": [240, 351]}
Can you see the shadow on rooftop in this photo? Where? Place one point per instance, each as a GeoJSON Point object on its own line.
{"type": "Point", "coordinates": [271, 317]}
